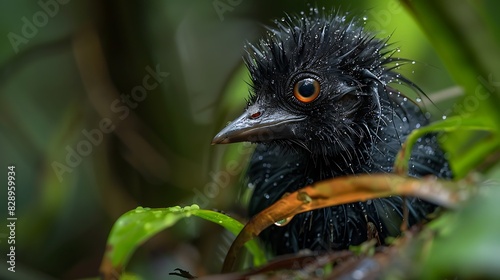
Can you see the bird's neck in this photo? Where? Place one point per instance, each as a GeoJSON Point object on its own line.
{"type": "Point", "coordinates": [367, 157]}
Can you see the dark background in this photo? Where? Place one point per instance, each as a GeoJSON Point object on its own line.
{"type": "Point", "coordinates": [59, 81]}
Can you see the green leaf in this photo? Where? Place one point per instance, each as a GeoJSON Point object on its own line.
{"type": "Point", "coordinates": [463, 161]}
{"type": "Point", "coordinates": [234, 227]}
{"type": "Point", "coordinates": [137, 226]}
{"type": "Point", "coordinates": [468, 46]}
{"type": "Point", "coordinates": [467, 249]}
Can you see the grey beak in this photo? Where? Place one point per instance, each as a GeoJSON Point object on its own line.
{"type": "Point", "coordinates": [257, 125]}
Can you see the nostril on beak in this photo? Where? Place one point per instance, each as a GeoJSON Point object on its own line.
{"type": "Point", "coordinates": [255, 115]}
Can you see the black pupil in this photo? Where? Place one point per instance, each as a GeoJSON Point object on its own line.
{"type": "Point", "coordinates": [306, 87]}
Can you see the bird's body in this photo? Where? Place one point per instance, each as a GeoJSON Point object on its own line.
{"type": "Point", "coordinates": [273, 171]}
{"type": "Point", "coordinates": [321, 108]}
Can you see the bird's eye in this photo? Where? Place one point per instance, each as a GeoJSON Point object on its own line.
{"type": "Point", "coordinates": [306, 90]}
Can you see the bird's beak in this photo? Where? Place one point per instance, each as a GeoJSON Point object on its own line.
{"type": "Point", "coordinates": [259, 126]}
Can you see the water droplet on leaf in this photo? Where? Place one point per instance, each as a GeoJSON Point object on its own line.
{"type": "Point", "coordinates": [304, 197]}
{"type": "Point", "coordinates": [283, 222]}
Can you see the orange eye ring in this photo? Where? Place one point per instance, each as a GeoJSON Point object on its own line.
{"type": "Point", "coordinates": [306, 90]}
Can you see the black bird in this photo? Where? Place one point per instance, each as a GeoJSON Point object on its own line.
{"type": "Point", "coordinates": [321, 107]}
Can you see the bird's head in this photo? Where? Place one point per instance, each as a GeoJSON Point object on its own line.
{"type": "Point", "coordinates": [317, 83]}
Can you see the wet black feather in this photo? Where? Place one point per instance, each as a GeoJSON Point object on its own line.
{"type": "Point", "coordinates": [356, 125]}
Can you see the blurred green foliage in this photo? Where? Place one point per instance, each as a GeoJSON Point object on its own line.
{"type": "Point", "coordinates": [59, 83]}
